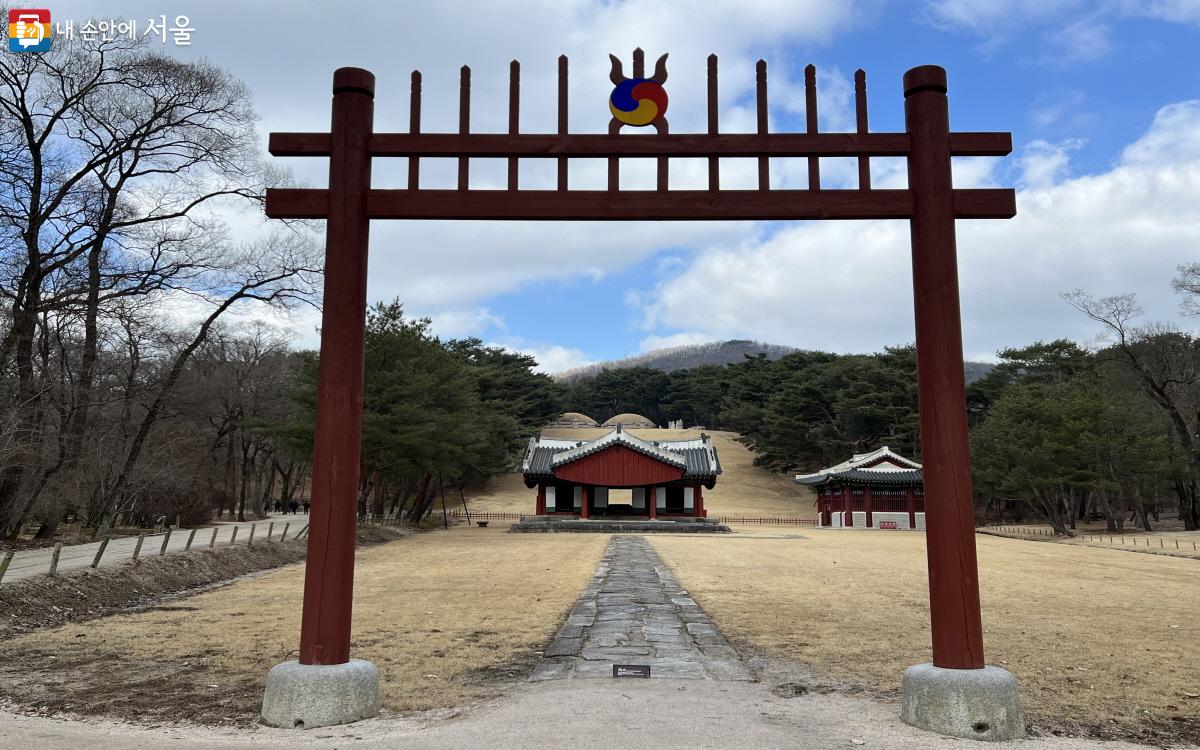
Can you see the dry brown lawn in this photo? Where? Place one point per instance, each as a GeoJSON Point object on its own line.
{"type": "Point", "coordinates": [1094, 636]}
{"type": "Point", "coordinates": [444, 615]}
{"type": "Point", "coordinates": [741, 490]}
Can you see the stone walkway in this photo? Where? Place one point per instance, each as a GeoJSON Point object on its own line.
{"type": "Point", "coordinates": [634, 612]}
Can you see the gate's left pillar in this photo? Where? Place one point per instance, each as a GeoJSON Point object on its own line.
{"type": "Point", "coordinates": [325, 686]}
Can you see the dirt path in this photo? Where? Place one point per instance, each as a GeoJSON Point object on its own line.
{"type": "Point", "coordinates": [604, 714]}
{"type": "Point", "coordinates": [37, 561]}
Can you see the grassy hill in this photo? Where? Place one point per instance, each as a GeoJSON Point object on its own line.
{"type": "Point", "coordinates": [743, 489]}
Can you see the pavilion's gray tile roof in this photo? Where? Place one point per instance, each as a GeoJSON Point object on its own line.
{"type": "Point", "coordinates": [618, 437]}
{"type": "Point", "coordinates": [880, 466]}
{"type": "Point", "coordinates": [698, 457]}
{"type": "Point", "coordinates": [864, 476]}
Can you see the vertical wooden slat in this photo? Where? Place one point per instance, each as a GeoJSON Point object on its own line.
{"type": "Point", "coordinates": [514, 116]}
{"type": "Point", "coordinates": [414, 127]}
{"type": "Point", "coordinates": [764, 164]}
{"type": "Point", "coordinates": [562, 117]}
{"type": "Point", "coordinates": [810, 113]}
{"type": "Point", "coordinates": [614, 164]}
{"type": "Point", "coordinates": [860, 116]}
{"type": "Point", "coordinates": [714, 163]}
{"type": "Point", "coordinates": [464, 122]}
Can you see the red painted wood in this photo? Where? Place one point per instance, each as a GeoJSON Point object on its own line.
{"type": "Point", "coordinates": [652, 502]}
{"type": "Point", "coordinates": [562, 117]}
{"type": "Point", "coordinates": [550, 146]}
{"type": "Point", "coordinates": [540, 508]}
{"type": "Point", "coordinates": [329, 573]}
{"type": "Point", "coordinates": [714, 164]}
{"type": "Point", "coordinates": [414, 127]}
{"type": "Point", "coordinates": [955, 619]}
{"type": "Point", "coordinates": [676, 205]}
{"type": "Point", "coordinates": [760, 91]}
{"type": "Point", "coordinates": [464, 123]}
{"type": "Point", "coordinates": [810, 117]}
{"type": "Point", "coordinates": [514, 116]}
{"type": "Point", "coordinates": [867, 498]}
{"type": "Point", "coordinates": [585, 501]}
{"type": "Point", "coordinates": [860, 121]}
{"type": "Point", "coordinates": [618, 466]}
{"type": "Point", "coordinates": [847, 506]}
{"type": "Point", "coordinates": [911, 499]}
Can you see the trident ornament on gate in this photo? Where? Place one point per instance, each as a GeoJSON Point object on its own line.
{"type": "Point", "coordinates": [638, 101]}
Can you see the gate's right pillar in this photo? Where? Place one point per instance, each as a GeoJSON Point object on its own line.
{"type": "Point", "coordinates": [957, 694]}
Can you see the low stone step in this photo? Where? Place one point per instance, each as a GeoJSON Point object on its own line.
{"type": "Point", "coordinates": [598, 526]}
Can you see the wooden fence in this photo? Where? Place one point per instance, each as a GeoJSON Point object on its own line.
{"type": "Point", "coordinates": [76, 555]}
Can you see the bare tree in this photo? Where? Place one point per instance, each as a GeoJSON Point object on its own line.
{"type": "Point", "coordinates": [117, 164]}
{"type": "Point", "coordinates": [1166, 365]}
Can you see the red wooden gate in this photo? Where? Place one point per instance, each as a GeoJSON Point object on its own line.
{"type": "Point", "coordinates": [931, 204]}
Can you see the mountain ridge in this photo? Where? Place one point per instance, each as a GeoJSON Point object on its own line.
{"type": "Point", "coordinates": [730, 351]}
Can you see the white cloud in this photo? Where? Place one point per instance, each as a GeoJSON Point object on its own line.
{"type": "Point", "coordinates": [460, 323]}
{"type": "Point", "coordinates": [1081, 40]}
{"type": "Point", "coordinates": [1043, 164]}
{"type": "Point", "coordinates": [1073, 30]}
{"type": "Point", "coordinates": [988, 18]}
{"type": "Point", "coordinates": [847, 286]}
{"type": "Point", "coordinates": [1173, 11]}
{"type": "Point", "coordinates": [553, 358]}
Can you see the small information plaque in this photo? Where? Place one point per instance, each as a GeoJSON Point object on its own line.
{"type": "Point", "coordinates": [631, 670]}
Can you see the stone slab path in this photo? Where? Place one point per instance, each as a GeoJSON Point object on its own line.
{"type": "Point", "coordinates": [634, 612]}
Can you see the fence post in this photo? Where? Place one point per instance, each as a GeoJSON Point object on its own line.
{"type": "Point", "coordinates": [100, 553]}
{"type": "Point", "coordinates": [8, 556]}
{"type": "Point", "coordinates": [213, 541]}
{"type": "Point", "coordinates": [54, 558]}
{"type": "Point", "coordinates": [270, 530]}
{"type": "Point", "coordinates": [233, 536]}
{"type": "Point", "coordinates": [250, 539]}
{"type": "Point", "coordinates": [137, 550]}
{"type": "Point", "coordinates": [283, 534]}
{"type": "Point", "coordinates": [166, 540]}
{"type": "Point", "coordinates": [187, 547]}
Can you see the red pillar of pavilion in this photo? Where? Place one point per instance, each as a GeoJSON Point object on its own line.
{"type": "Point", "coordinates": [847, 506]}
{"type": "Point", "coordinates": [867, 497]}
{"type": "Point", "coordinates": [652, 502]}
{"type": "Point", "coordinates": [541, 499]}
{"type": "Point", "coordinates": [911, 497]}
{"type": "Point", "coordinates": [585, 499]}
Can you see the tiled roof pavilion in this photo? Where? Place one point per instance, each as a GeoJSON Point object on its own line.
{"type": "Point", "coordinates": [664, 477]}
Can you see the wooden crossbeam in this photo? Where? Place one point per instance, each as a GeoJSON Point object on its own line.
{"type": "Point", "coordinates": [640, 205]}
{"type": "Point", "coordinates": [497, 145]}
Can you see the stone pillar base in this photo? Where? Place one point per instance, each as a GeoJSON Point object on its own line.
{"type": "Point", "coordinates": [979, 704]}
{"type": "Point", "coordinates": [303, 696]}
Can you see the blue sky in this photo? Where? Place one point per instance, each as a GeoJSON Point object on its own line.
{"type": "Point", "coordinates": [1101, 98]}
